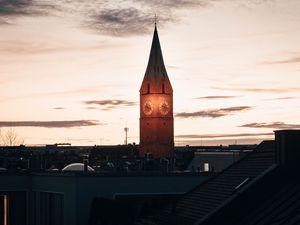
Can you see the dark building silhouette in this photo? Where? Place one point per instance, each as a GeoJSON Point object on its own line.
{"type": "Point", "coordinates": [262, 188]}
{"type": "Point", "coordinates": [54, 184]}
{"type": "Point", "coordinates": [156, 106]}
{"type": "Point", "coordinates": [86, 198]}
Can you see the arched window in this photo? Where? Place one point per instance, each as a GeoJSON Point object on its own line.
{"type": "Point", "coordinates": [163, 88]}
{"type": "Point", "coordinates": [148, 88]}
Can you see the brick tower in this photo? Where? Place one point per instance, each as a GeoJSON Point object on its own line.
{"type": "Point", "coordinates": [156, 106]}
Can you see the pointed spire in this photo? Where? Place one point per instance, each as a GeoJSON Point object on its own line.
{"type": "Point", "coordinates": [156, 69]}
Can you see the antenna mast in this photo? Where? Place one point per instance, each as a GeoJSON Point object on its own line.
{"type": "Point", "coordinates": [126, 129]}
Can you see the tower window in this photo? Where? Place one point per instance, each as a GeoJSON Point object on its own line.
{"type": "Point", "coordinates": [148, 88]}
{"type": "Point", "coordinates": [163, 88]}
{"type": "Point", "coordinates": [206, 167]}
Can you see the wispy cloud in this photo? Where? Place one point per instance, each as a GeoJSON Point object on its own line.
{"type": "Point", "coordinates": [210, 136]}
{"type": "Point", "coordinates": [212, 97]}
{"type": "Point", "coordinates": [109, 104]}
{"type": "Point", "coordinates": [84, 90]}
{"type": "Point", "coordinates": [51, 124]}
{"type": "Point", "coordinates": [124, 21]}
{"type": "Point", "coordinates": [273, 125]}
{"type": "Point", "coordinates": [281, 98]}
{"type": "Point", "coordinates": [91, 107]}
{"type": "Point", "coordinates": [172, 67]}
{"type": "Point", "coordinates": [16, 7]}
{"type": "Point", "coordinates": [26, 47]}
{"type": "Point", "coordinates": [25, 7]}
{"type": "Point", "coordinates": [167, 4]}
{"type": "Point", "coordinates": [225, 141]}
{"type": "Point", "coordinates": [127, 18]}
{"type": "Point", "coordinates": [116, 18]}
{"type": "Point", "coordinates": [213, 113]}
{"type": "Point", "coordinates": [261, 90]}
{"type": "Point", "coordinates": [285, 61]}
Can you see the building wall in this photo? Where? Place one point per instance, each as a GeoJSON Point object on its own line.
{"type": "Point", "coordinates": [60, 184]}
{"type": "Point", "coordinates": [217, 161]}
{"type": "Point", "coordinates": [80, 189]}
{"type": "Point", "coordinates": [89, 187]}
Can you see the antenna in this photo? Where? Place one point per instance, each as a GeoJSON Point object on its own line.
{"type": "Point", "coordinates": [126, 129]}
{"type": "Point", "coordinates": [155, 19]}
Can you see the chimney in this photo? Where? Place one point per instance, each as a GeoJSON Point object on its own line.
{"type": "Point", "coordinates": [85, 165]}
{"type": "Point", "coordinates": [288, 149]}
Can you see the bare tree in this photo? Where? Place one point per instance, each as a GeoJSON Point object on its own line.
{"type": "Point", "coordinates": [11, 138]}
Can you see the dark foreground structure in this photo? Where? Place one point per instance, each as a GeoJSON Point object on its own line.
{"type": "Point", "coordinates": [260, 189]}
{"type": "Point", "coordinates": [81, 198]}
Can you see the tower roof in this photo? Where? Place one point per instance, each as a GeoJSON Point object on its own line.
{"type": "Point", "coordinates": [156, 69]}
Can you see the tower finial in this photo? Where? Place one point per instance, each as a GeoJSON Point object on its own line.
{"type": "Point", "coordinates": [155, 19]}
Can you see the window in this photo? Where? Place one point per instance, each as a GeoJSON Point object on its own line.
{"type": "Point", "coordinates": [148, 88]}
{"type": "Point", "coordinates": [163, 88]}
{"type": "Point", "coordinates": [4, 209]}
{"type": "Point", "coordinates": [206, 167]}
{"type": "Point", "coordinates": [13, 208]}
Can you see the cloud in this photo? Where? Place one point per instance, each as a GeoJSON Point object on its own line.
{"type": "Point", "coordinates": [261, 90]}
{"type": "Point", "coordinates": [286, 61]}
{"type": "Point", "coordinates": [51, 124]}
{"type": "Point", "coordinates": [114, 18]}
{"type": "Point", "coordinates": [84, 90]}
{"type": "Point", "coordinates": [16, 7]}
{"type": "Point", "coordinates": [44, 47]}
{"type": "Point", "coordinates": [226, 141]}
{"type": "Point", "coordinates": [4, 21]}
{"type": "Point", "coordinates": [128, 18]}
{"type": "Point", "coordinates": [109, 104]}
{"type": "Point", "coordinates": [91, 107]}
{"type": "Point", "coordinates": [216, 97]}
{"type": "Point", "coordinates": [171, 67]}
{"type": "Point", "coordinates": [167, 4]}
{"type": "Point", "coordinates": [281, 98]}
{"type": "Point", "coordinates": [80, 91]}
{"type": "Point", "coordinates": [213, 113]}
{"type": "Point", "coordinates": [273, 125]}
{"type": "Point", "coordinates": [25, 7]}
{"type": "Point", "coordinates": [124, 21]}
{"type": "Point", "coordinates": [209, 136]}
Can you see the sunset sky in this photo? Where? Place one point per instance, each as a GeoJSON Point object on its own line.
{"type": "Point", "coordinates": [70, 70]}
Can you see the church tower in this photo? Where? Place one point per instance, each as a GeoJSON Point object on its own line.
{"type": "Point", "coordinates": [156, 106]}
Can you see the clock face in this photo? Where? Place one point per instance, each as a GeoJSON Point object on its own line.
{"type": "Point", "coordinates": [148, 108]}
{"type": "Point", "coordinates": [164, 108]}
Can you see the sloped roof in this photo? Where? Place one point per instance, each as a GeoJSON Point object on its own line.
{"type": "Point", "coordinates": [206, 198]}
{"type": "Point", "coordinates": [277, 204]}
